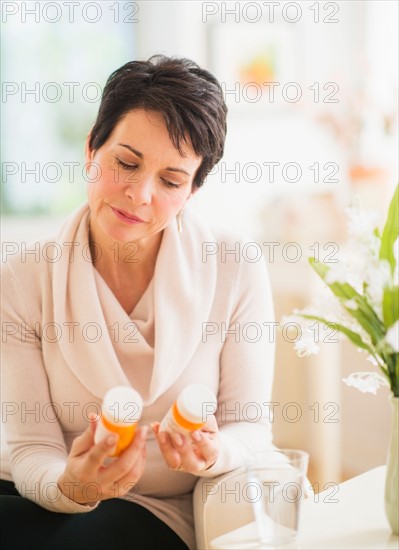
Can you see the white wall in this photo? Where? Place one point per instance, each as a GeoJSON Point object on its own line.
{"type": "Point", "coordinates": [258, 133]}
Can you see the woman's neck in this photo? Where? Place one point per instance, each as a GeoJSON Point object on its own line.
{"type": "Point", "coordinates": [116, 260]}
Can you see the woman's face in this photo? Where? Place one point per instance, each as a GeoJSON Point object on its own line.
{"type": "Point", "coordinates": [138, 181]}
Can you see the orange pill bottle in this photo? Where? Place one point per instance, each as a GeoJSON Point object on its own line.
{"type": "Point", "coordinates": [120, 412]}
{"type": "Point", "coordinates": [190, 411]}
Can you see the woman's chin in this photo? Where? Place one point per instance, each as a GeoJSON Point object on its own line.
{"type": "Point", "coordinates": [106, 229]}
{"type": "Point", "coordinates": [123, 235]}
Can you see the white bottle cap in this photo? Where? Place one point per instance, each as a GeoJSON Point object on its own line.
{"type": "Point", "coordinates": [196, 403]}
{"type": "Point", "coordinates": [122, 405]}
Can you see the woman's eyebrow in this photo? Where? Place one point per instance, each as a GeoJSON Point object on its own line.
{"type": "Point", "coordinates": [132, 149]}
{"type": "Point", "coordinates": [141, 156]}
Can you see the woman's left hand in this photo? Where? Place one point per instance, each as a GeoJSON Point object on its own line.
{"type": "Point", "coordinates": [192, 454]}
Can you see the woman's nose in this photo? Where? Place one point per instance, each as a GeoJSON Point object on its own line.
{"type": "Point", "coordinates": [140, 190]}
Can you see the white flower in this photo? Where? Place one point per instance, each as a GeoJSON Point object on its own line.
{"type": "Point", "coordinates": [377, 276]}
{"type": "Point", "coordinates": [338, 273]}
{"type": "Point", "coordinates": [331, 308]}
{"type": "Point", "coordinates": [392, 337]}
{"type": "Point", "coordinates": [306, 344]}
{"type": "Point", "coordinates": [366, 382]}
{"type": "Point", "coordinates": [372, 360]}
{"type": "Point", "coordinates": [361, 222]}
{"type": "Point", "coordinates": [346, 272]}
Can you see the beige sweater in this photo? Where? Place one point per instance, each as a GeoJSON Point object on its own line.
{"type": "Point", "coordinates": [67, 340]}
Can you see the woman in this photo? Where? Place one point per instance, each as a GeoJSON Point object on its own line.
{"type": "Point", "coordinates": [132, 292]}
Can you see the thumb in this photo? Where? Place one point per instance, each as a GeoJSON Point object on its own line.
{"type": "Point", "coordinates": [93, 419]}
{"type": "Point", "coordinates": [85, 440]}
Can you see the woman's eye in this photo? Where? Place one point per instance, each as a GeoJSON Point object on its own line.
{"type": "Point", "coordinates": [134, 167]}
{"type": "Point", "coordinates": [170, 184]}
{"type": "Point", "coordinates": [126, 166]}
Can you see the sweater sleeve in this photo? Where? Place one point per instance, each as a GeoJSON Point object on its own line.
{"type": "Point", "coordinates": [36, 446]}
{"type": "Point", "coordinates": [246, 371]}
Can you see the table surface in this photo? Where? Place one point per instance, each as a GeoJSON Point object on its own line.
{"type": "Point", "coordinates": [345, 516]}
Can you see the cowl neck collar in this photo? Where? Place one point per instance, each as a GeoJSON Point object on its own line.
{"type": "Point", "coordinates": [183, 294]}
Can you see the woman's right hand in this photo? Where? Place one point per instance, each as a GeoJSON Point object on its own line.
{"type": "Point", "coordinates": [86, 480]}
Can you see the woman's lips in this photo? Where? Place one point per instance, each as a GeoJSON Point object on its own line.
{"type": "Point", "coordinates": [126, 217]}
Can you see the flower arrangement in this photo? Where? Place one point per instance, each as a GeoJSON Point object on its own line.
{"type": "Point", "coordinates": [363, 302]}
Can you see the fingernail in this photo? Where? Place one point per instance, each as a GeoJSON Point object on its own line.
{"type": "Point", "coordinates": [144, 432]}
{"type": "Point", "coordinates": [162, 437]}
{"type": "Point", "coordinates": [197, 436]}
{"type": "Point", "coordinates": [111, 440]}
{"type": "Point", "coordinates": [177, 438]}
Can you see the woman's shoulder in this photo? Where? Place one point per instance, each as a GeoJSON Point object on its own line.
{"type": "Point", "coordinates": [25, 281]}
{"type": "Point", "coordinates": [220, 232]}
{"type": "Point", "coordinates": [26, 258]}
{"type": "Point", "coordinates": [30, 257]}
{"type": "Point", "coordinates": [26, 275]}
{"type": "Point", "coordinates": [226, 244]}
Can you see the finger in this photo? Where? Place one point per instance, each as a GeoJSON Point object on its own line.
{"type": "Point", "coordinates": [211, 425]}
{"type": "Point", "coordinates": [155, 427]}
{"type": "Point", "coordinates": [190, 461]}
{"type": "Point", "coordinates": [137, 445]}
{"type": "Point", "coordinates": [129, 482]}
{"type": "Point", "coordinates": [93, 419]}
{"type": "Point", "coordinates": [168, 450]}
{"type": "Point", "coordinates": [82, 442]}
{"type": "Point", "coordinates": [127, 460]}
{"type": "Point", "coordinates": [100, 451]}
{"type": "Point", "coordinates": [206, 446]}
{"type": "Point", "coordinates": [137, 469]}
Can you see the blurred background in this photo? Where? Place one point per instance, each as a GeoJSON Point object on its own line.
{"type": "Point", "coordinates": [312, 91]}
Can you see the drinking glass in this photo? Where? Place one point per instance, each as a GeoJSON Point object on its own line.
{"type": "Point", "coordinates": [275, 488]}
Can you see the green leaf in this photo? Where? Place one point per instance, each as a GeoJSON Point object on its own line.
{"type": "Point", "coordinates": [390, 305]}
{"type": "Point", "coordinates": [320, 268]}
{"type": "Point", "coordinates": [364, 314]}
{"type": "Point", "coordinates": [353, 336]}
{"type": "Point", "coordinates": [391, 231]}
{"type": "Point", "coordinates": [391, 361]}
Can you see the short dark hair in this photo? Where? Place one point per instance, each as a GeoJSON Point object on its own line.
{"type": "Point", "coordinates": [189, 98]}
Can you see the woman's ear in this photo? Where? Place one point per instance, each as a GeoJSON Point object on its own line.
{"type": "Point", "coordinates": [89, 153]}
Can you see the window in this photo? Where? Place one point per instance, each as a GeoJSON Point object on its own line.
{"type": "Point", "coordinates": [56, 58]}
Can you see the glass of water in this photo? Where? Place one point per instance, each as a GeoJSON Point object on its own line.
{"type": "Point", "coordinates": [275, 487]}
